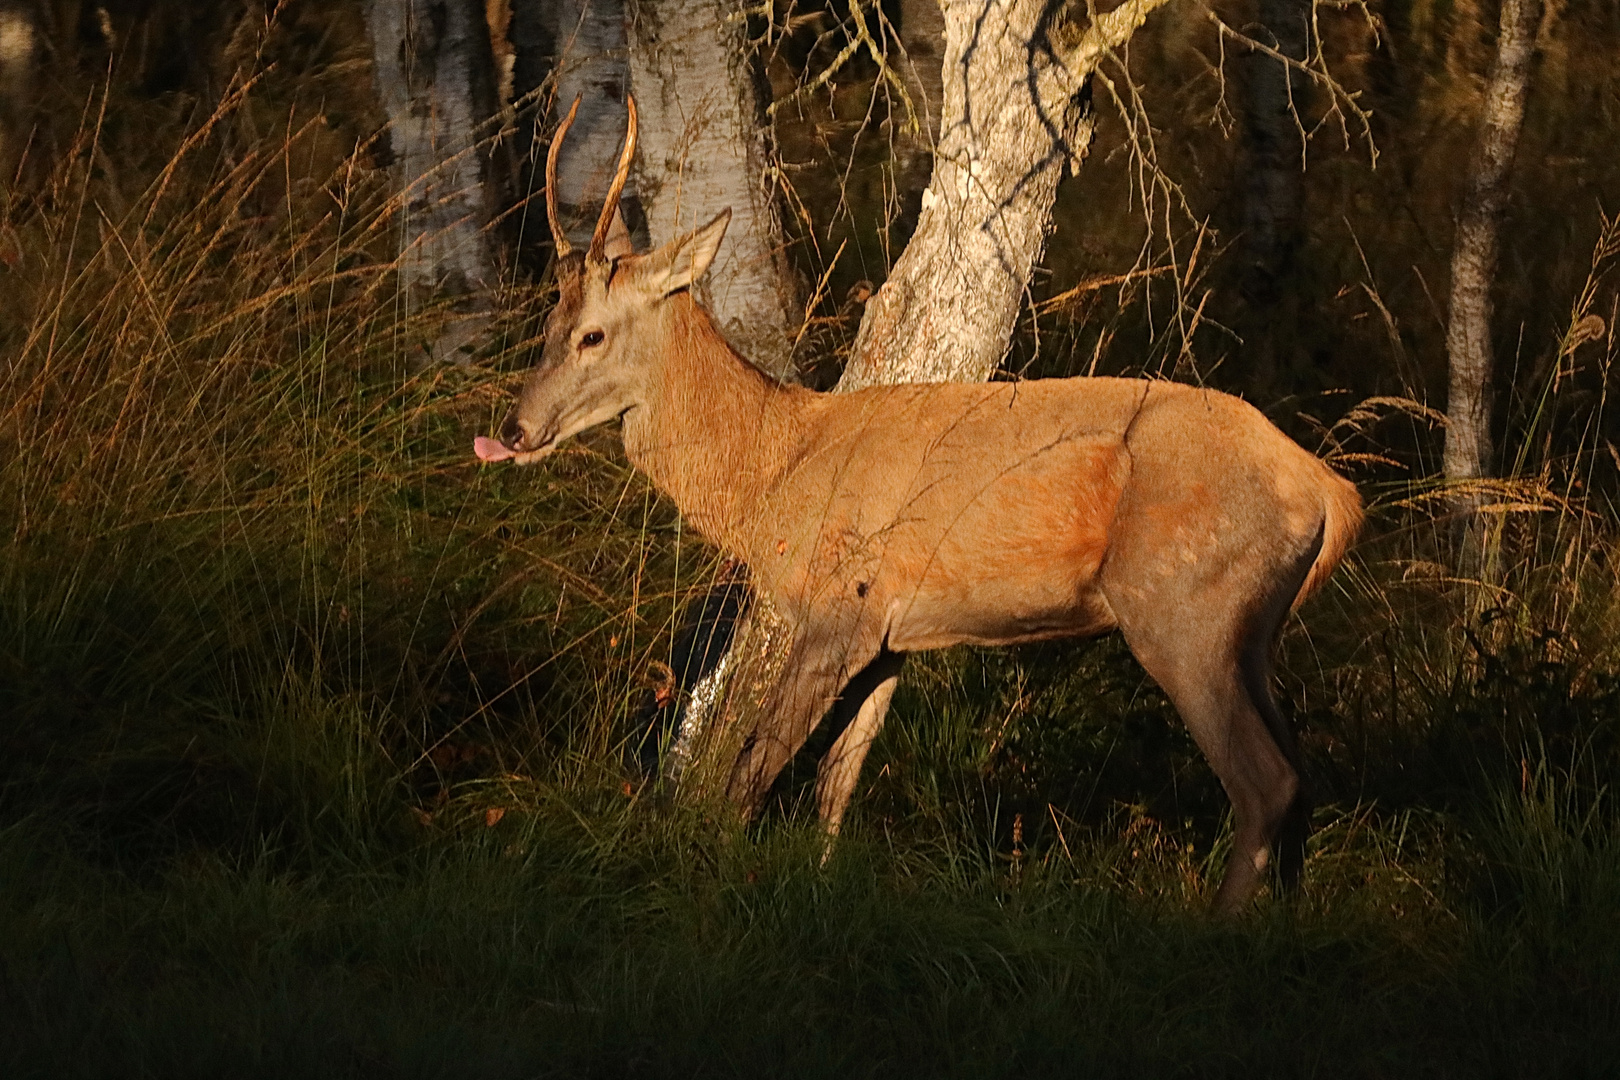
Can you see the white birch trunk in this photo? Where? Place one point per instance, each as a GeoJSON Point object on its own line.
{"type": "Point", "coordinates": [1015, 115]}
{"type": "Point", "coordinates": [429, 59]}
{"type": "Point", "coordinates": [705, 146]}
{"type": "Point", "coordinates": [1474, 251]}
{"type": "Point", "coordinates": [590, 49]}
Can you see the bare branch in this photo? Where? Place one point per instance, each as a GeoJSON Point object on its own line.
{"type": "Point", "coordinates": [861, 37]}
{"type": "Point", "coordinates": [1340, 101]}
{"type": "Point", "coordinates": [1109, 31]}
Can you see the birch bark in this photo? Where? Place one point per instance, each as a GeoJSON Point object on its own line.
{"type": "Point", "coordinates": [1015, 114]}
{"type": "Point", "coordinates": [432, 72]}
{"type": "Point", "coordinates": [705, 146]}
{"type": "Point", "coordinates": [1474, 254]}
{"type": "Point", "coordinates": [588, 47]}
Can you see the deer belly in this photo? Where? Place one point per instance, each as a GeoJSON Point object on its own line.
{"type": "Point", "coordinates": [994, 554]}
{"type": "Point", "coordinates": [1017, 599]}
{"type": "Point", "coordinates": [994, 618]}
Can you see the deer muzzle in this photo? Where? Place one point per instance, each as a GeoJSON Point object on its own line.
{"type": "Point", "coordinates": [518, 443]}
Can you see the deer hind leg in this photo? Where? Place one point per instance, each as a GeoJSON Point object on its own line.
{"type": "Point", "coordinates": [1289, 841]}
{"type": "Point", "coordinates": [869, 693]}
{"type": "Point", "coordinates": [1260, 781]}
{"type": "Point", "coordinates": [817, 669]}
{"type": "Point", "coordinates": [1215, 666]}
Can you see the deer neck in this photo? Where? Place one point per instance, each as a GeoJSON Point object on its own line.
{"type": "Point", "coordinates": [716, 433]}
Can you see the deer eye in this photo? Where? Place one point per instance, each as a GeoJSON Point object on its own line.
{"type": "Point", "coordinates": [590, 339]}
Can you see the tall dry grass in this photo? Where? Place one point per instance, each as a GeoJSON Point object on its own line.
{"type": "Point", "coordinates": [249, 565]}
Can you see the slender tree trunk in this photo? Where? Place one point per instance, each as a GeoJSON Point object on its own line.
{"type": "Point", "coordinates": [1015, 115]}
{"type": "Point", "coordinates": [1272, 186]}
{"type": "Point", "coordinates": [503, 58]}
{"type": "Point", "coordinates": [922, 41]}
{"type": "Point", "coordinates": [1473, 264]}
{"type": "Point", "coordinates": [434, 79]}
{"type": "Point", "coordinates": [705, 145]}
{"type": "Point", "coordinates": [1274, 172]}
{"type": "Point", "coordinates": [19, 75]}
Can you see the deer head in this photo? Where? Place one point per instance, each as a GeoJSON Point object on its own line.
{"type": "Point", "coordinates": [603, 339]}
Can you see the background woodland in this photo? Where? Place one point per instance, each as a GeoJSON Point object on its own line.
{"type": "Point", "coordinates": [319, 742]}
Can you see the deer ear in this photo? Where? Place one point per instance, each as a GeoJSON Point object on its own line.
{"type": "Point", "coordinates": [618, 238]}
{"type": "Point", "coordinates": [681, 261]}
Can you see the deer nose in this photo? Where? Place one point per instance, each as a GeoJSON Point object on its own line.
{"type": "Point", "coordinates": [512, 431]}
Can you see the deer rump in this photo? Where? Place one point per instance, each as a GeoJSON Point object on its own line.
{"type": "Point", "coordinates": [910, 517]}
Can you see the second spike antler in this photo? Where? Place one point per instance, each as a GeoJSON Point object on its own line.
{"type": "Point", "coordinates": [616, 189]}
{"type": "Point", "coordinates": [558, 237]}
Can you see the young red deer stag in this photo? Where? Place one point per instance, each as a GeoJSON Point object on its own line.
{"type": "Point", "coordinates": [913, 517]}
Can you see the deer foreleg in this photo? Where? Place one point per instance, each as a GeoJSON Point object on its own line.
{"type": "Point", "coordinates": [817, 669]}
{"type": "Point", "coordinates": [841, 768]}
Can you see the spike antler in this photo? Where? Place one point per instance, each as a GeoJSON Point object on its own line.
{"type": "Point", "coordinates": [611, 206]}
{"type": "Point", "coordinates": [558, 236]}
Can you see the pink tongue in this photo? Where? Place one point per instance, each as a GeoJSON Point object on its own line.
{"type": "Point", "coordinates": [489, 449]}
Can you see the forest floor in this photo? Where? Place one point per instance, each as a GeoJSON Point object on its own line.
{"type": "Point", "coordinates": [593, 939]}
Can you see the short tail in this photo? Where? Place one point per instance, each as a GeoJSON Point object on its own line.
{"type": "Point", "coordinates": [1341, 506]}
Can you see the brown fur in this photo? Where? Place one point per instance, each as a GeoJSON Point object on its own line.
{"type": "Point", "coordinates": [913, 517]}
